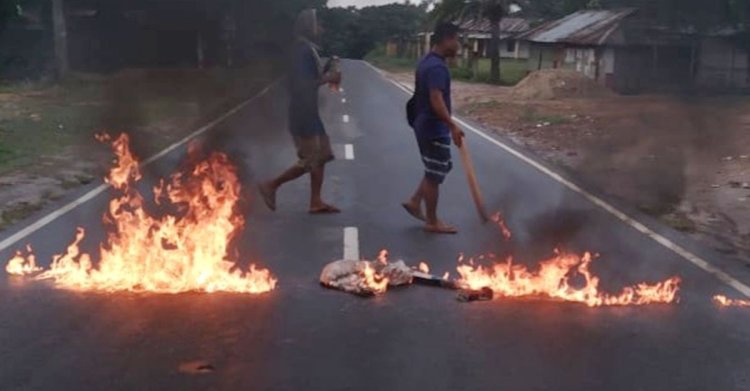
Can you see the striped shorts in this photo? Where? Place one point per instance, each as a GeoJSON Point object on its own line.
{"type": "Point", "coordinates": [436, 157]}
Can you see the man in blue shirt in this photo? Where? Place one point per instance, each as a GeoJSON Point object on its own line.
{"type": "Point", "coordinates": [434, 126]}
{"type": "Point", "coordinates": [313, 146]}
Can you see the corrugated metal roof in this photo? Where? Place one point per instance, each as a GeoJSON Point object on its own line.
{"type": "Point", "coordinates": [507, 25]}
{"type": "Point", "coordinates": [588, 27]}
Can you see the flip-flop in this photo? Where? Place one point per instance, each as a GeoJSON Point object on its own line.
{"type": "Point", "coordinates": [441, 229]}
{"type": "Point", "coordinates": [416, 213]}
{"type": "Point", "coordinates": [268, 197]}
{"type": "Point", "coordinates": [326, 210]}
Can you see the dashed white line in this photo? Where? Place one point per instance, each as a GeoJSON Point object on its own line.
{"type": "Point", "coordinates": [42, 222]}
{"type": "Point", "coordinates": [343, 100]}
{"type": "Point", "coordinates": [674, 247]}
{"type": "Point", "coordinates": [345, 118]}
{"type": "Point", "coordinates": [349, 152]}
{"type": "Point", "coordinates": [351, 243]}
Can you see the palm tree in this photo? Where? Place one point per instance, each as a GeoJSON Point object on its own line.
{"type": "Point", "coordinates": [491, 10]}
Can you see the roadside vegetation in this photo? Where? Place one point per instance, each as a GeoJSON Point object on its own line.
{"type": "Point", "coordinates": [511, 71]}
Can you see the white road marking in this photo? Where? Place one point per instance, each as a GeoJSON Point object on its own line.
{"type": "Point", "coordinates": [345, 118]}
{"type": "Point", "coordinates": [622, 216]}
{"type": "Point", "coordinates": [343, 100]}
{"type": "Point", "coordinates": [349, 152]}
{"type": "Point", "coordinates": [42, 222]}
{"type": "Point", "coordinates": [351, 243]}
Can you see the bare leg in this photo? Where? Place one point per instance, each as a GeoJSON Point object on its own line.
{"type": "Point", "coordinates": [317, 206]}
{"type": "Point", "coordinates": [414, 205]}
{"type": "Point", "coordinates": [287, 176]}
{"type": "Point", "coordinates": [431, 192]}
{"type": "Point", "coordinates": [268, 189]}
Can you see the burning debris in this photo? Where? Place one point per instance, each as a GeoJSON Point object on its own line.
{"type": "Point", "coordinates": [23, 264]}
{"type": "Point", "coordinates": [553, 280]}
{"type": "Point", "coordinates": [187, 249]}
{"type": "Point", "coordinates": [366, 278]}
{"type": "Point", "coordinates": [723, 301]}
{"type": "Point", "coordinates": [565, 277]}
{"type": "Point", "coordinates": [498, 219]}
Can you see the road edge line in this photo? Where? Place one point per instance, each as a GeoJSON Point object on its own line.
{"type": "Point", "coordinates": [54, 215]}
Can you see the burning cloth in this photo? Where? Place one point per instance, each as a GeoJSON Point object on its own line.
{"type": "Point", "coordinates": [365, 278]}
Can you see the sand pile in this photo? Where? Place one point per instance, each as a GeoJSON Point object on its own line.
{"type": "Point", "coordinates": [557, 84]}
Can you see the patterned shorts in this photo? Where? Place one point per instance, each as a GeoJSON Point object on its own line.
{"type": "Point", "coordinates": [436, 156]}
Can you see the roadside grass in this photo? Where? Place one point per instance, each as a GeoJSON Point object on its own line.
{"type": "Point", "coordinates": [17, 212]}
{"type": "Point", "coordinates": [47, 129]}
{"type": "Point", "coordinates": [511, 72]}
{"type": "Point", "coordinates": [378, 58]}
{"type": "Point", "coordinates": [40, 119]}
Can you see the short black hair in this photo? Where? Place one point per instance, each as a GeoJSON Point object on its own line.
{"type": "Point", "coordinates": [444, 31]}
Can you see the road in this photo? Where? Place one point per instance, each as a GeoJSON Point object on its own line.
{"type": "Point", "coordinates": [303, 337]}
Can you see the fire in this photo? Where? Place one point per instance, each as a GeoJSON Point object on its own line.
{"type": "Point", "coordinates": [184, 250]}
{"type": "Point", "coordinates": [724, 301]}
{"type": "Point", "coordinates": [374, 281]}
{"type": "Point", "coordinates": [424, 268]}
{"type": "Point", "coordinates": [553, 280]}
{"type": "Point", "coordinates": [497, 218]}
{"type": "Point", "coordinates": [22, 265]}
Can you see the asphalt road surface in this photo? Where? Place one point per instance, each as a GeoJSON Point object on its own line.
{"type": "Point", "coordinates": [304, 337]}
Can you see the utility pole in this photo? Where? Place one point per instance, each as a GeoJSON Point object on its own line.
{"type": "Point", "coordinates": [60, 38]}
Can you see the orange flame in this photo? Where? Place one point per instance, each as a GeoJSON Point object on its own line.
{"type": "Point", "coordinates": [553, 280]}
{"type": "Point", "coordinates": [23, 265]}
{"type": "Point", "coordinates": [375, 282]}
{"type": "Point", "coordinates": [187, 250]}
{"type": "Point", "coordinates": [497, 218]}
{"type": "Point", "coordinates": [724, 301]}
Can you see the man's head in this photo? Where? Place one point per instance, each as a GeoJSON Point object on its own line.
{"type": "Point", "coordinates": [307, 25]}
{"type": "Point", "coordinates": [445, 40]}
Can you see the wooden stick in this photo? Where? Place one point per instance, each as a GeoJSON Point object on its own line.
{"type": "Point", "coordinates": [473, 183]}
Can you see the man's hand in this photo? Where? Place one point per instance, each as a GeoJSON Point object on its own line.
{"type": "Point", "coordinates": [332, 77]}
{"type": "Point", "coordinates": [457, 134]}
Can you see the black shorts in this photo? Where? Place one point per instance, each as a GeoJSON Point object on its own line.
{"type": "Point", "coordinates": [436, 157]}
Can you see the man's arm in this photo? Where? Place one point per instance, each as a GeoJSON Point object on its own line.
{"type": "Point", "coordinates": [330, 77]}
{"type": "Point", "coordinates": [441, 110]}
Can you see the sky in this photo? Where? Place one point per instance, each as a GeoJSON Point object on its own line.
{"type": "Point", "coordinates": [358, 3]}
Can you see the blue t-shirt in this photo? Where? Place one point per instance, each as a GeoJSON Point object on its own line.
{"type": "Point", "coordinates": [432, 73]}
{"type": "Point", "coordinates": [304, 77]}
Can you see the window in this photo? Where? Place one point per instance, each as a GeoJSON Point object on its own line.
{"type": "Point", "coordinates": [510, 45]}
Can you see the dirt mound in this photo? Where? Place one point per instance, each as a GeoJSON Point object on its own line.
{"type": "Point", "coordinates": [557, 84]}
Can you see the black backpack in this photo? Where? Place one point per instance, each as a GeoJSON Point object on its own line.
{"type": "Point", "coordinates": [411, 111]}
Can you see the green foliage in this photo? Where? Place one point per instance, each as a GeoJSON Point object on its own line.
{"type": "Point", "coordinates": [351, 32]}
{"type": "Point", "coordinates": [378, 58]}
{"type": "Point", "coordinates": [511, 72]}
{"type": "Point", "coordinates": [9, 9]}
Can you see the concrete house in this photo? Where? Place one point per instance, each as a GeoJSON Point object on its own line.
{"type": "Point", "coordinates": [476, 36]}
{"type": "Point", "coordinates": [629, 53]}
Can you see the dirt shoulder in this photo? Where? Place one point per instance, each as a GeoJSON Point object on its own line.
{"type": "Point", "coordinates": [684, 160]}
{"type": "Point", "coordinates": [47, 145]}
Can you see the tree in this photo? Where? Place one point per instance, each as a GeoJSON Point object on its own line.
{"type": "Point", "coordinates": [60, 38]}
{"type": "Point", "coordinates": [491, 10]}
{"type": "Point", "coordinates": [353, 33]}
